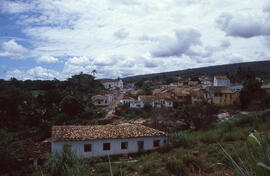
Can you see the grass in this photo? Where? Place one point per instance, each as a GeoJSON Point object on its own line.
{"type": "Point", "coordinates": [198, 152]}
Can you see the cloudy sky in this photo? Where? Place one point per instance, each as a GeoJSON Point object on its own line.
{"type": "Point", "coordinates": [47, 39]}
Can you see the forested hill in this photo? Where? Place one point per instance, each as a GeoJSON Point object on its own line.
{"type": "Point", "coordinates": [259, 67]}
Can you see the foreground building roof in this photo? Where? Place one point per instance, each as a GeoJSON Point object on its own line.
{"type": "Point", "coordinates": [93, 132]}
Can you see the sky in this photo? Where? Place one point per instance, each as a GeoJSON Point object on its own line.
{"type": "Point", "coordinates": [47, 39]}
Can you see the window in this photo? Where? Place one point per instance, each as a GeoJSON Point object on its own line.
{"type": "Point", "coordinates": [67, 147]}
{"type": "Point", "coordinates": [156, 143]}
{"type": "Point", "coordinates": [106, 146]}
{"type": "Point", "coordinates": [87, 147]}
{"type": "Point", "coordinates": [124, 145]}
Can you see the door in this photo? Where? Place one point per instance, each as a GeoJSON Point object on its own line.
{"type": "Point", "coordinates": [140, 146]}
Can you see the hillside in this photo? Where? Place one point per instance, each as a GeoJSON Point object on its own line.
{"type": "Point", "coordinates": [260, 67]}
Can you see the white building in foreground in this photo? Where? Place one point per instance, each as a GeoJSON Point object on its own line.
{"type": "Point", "coordinates": [103, 140]}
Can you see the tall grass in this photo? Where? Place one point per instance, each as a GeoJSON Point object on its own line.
{"type": "Point", "coordinates": [64, 164]}
{"type": "Point", "coordinates": [257, 161]}
{"type": "Point", "coordinates": [183, 139]}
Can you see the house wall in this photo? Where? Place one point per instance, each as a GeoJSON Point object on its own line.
{"type": "Point", "coordinates": [136, 105]}
{"type": "Point", "coordinates": [115, 146]}
{"type": "Point", "coordinates": [218, 82]}
{"type": "Point", "coordinates": [168, 104]}
{"type": "Point", "coordinates": [196, 99]}
{"type": "Point", "coordinates": [113, 84]}
{"type": "Point", "coordinates": [105, 100]}
{"type": "Point", "coordinates": [126, 101]}
{"type": "Point", "coordinates": [226, 99]}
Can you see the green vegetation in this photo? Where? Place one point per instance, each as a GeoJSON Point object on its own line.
{"type": "Point", "coordinates": [28, 109]}
{"type": "Point", "coordinates": [190, 153]}
{"type": "Point", "coordinates": [199, 153]}
{"type": "Point", "coordinates": [64, 164]}
{"type": "Point", "coordinates": [256, 161]}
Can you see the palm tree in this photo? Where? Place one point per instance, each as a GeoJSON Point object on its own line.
{"type": "Point", "coordinates": [94, 72]}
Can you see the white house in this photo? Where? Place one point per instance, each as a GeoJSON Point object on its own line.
{"type": "Point", "coordinates": [236, 88]}
{"type": "Point", "coordinates": [102, 98]}
{"type": "Point", "coordinates": [112, 84]}
{"type": "Point", "coordinates": [150, 99]}
{"type": "Point", "coordinates": [221, 81]}
{"type": "Point", "coordinates": [126, 100]}
{"type": "Point", "coordinates": [103, 140]}
{"type": "Point", "coordinates": [168, 103]}
{"type": "Point", "coordinates": [205, 83]}
{"type": "Point", "coordinates": [136, 104]}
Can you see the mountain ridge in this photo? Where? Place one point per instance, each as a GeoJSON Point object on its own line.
{"type": "Point", "coordinates": [262, 67]}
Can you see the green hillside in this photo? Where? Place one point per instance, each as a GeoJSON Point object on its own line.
{"type": "Point", "coordinates": [260, 67]}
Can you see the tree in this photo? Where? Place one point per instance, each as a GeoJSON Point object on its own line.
{"type": "Point", "coordinates": [94, 72]}
{"type": "Point", "coordinates": [251, 92]}
{"type": "Point", "coordinates": [71, 106]}
{"type": "Point", "coordinates": [139, 84]}
{"type": "Point", "coordinates": [199, 116]}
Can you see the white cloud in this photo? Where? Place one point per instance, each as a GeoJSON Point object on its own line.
{"type": "Point", "coordinates": [177, 45]}
{"type": "Point", "coordinates": [35, 73]}
{"type": "Point", "coordinates": [12, 49]}
{"type": "Point", "coordinates": [121, 34]}
{"type": "Point", "coordinates": [245, 26]}
{"type": "Point", "coordinates": [121, 38]}
{"type": "Point", "coordinates": [47, 59]}
{"type": "Point", "coordinates": [15, 7]}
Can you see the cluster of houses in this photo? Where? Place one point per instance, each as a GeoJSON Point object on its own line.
{"type": "Point", "coordinates": [105, 97]}
{"type": "Point", "coordinates": [104, 140]}
{"type": "Point", "coordinates": [219, 92]}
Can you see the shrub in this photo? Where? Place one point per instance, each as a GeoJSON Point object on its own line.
{"type": "Point", "coordinates": [130, 116]}
{"type": "Point", "coordinates": [102, 167]}
{"type": "Point", "coordinates": [182, 138]}
{"type": "Point", "coordinates": [211, 136]}
{"type": "Point", "coordinates": [175, 166]}
{"type": "Point", "coordinates": [65, 164]}
{"type": "Point", "coordinates": [236, 134]}
{"type": "Point", "coordinates": [148, 166]}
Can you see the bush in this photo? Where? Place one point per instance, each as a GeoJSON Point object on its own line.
{"type": "Point", "coordinates": [148, 166]}
{"type": "Point", "coordinates": [175, 166]}
{"type": "Point", "coordinates": [130, 116]}
{"type": "Point", "coordinates": [65, 164]}
{"type": "Point", "coordinates": [211, 136]}
{"type": "Point", "coordinates": [182, 138]}
{"type": "Point", "coordinates": [102, 167]}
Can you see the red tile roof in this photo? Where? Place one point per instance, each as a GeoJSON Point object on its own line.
{"type": "Point", "coordinates": [222, 77]}
{"type": "Point", "coordinates": [86, 133]}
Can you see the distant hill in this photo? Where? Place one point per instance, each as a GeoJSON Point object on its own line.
{"type": "Point", "coordinates": [260, 67]}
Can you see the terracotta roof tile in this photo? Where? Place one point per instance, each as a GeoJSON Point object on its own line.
{"type": "Point", "coordinates": [86, 133]}
{"type": "Point", "coordinates": [222, 77]}
{"type": "Point", "coordinates": [147, 98]}
{"type": "Point", "coordinates": [219, 89]}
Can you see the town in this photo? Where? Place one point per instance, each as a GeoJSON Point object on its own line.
{"type": "Point", "coordinates": [118, 123]}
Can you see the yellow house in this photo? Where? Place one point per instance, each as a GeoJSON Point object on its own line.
{"type": "Point", "coordinates": [197, 95]}
{"type": "Point", "coordinates": [221, 95]}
